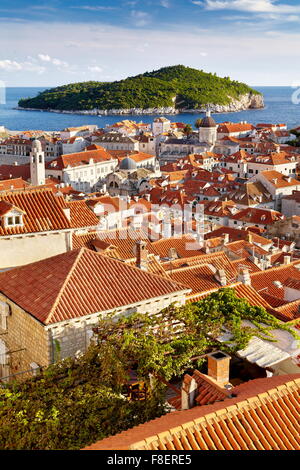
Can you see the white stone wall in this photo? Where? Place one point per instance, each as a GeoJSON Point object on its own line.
{"type": "Point", "coordinates": [27, 249]}
{"type": "Point", "coordinates": [74, 336]}
{"type": "Point", "coordinates": [84, 177]}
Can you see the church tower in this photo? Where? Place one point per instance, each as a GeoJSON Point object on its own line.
{"type": "Point", "coordinates": [208, 130]}
{"type": "Point", "coordinates": [37, 164]}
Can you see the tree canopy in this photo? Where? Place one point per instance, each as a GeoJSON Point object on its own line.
{"type": "Point", "coordinates": [179, 86]}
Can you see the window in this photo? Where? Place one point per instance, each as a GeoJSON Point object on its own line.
{"type": "Point", "coordinates": [11, 221]}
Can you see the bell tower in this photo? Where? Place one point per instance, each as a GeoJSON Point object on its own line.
{"type": "Point", "coordinates": [37, 164]}
{"type": "Point", "coordinates": [208, 129]}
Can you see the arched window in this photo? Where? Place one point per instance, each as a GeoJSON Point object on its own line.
{"type": "Point", "coordinates": [40, 159]}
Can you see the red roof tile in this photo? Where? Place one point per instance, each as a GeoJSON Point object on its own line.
{"type": "Point", "coordinates": [42, 212]}
{"type": "Point", "coordinates": [79, 283]}
{"type": "Point", "coordinates": [264, 416]}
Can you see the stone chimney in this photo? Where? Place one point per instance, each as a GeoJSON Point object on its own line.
{"type": "Point", "coordinates": [141, 254]}
{"type": "Point", "coordinates": [244, 276]}
{"type": "Point", "coordinates": [221, 277]}
{"type": "Point", "coordinates": [218, 367]}
{"type": "Point", "coordinates": [188, 392]}
{"type": "Point", "coordinates": [286, 259]}
{"type": "Point", "coordinates": [147, 197]}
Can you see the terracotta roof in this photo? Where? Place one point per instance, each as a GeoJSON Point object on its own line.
{"type": "Point", "coordinates": [42, 212]}
{"type": "Point", "coordinates": [289, 311]}
{"type": "Point", "coordinates": [13, 183]}
{"type": "Point", "coordinates": [250, 194]}
{"type": "Point", "coordinates": [255, 215]}
{"type": "Point", "coordinates": [263, 416]}
{"type": "Point", "coordinates": [278, 180]}
{"type": "Point", "coordinates": [184, 247]}
{"type": "Point", "coordinates": [80, 214]}
{"type": "Point", "coordinates": [200, 279]}
{"type": "Point", "coordinates": [242, 291]}
{"type": "Point", "coordinates": [125, 239]}
{"type": "Point", "coordinates": [208, 391]}
{"type": "Point", "coordinates": [219, 260]}
{"type": "Point", "coordinates": [292, 283]}
{"type": "Point", "coordinates": [79, 283]}
{"type": "Point", "coordinates": [236, 234]}
{"type": "Point", "coordinates": [273, 158]}
{"type": "Point", "coordinates": [272, 280]}
{"type": "Point", "coordinates": [239, 263]}
{"type": "Point", "coordinates": [229, 127]}
{"type": "Point", "coordinates": [78, 159]}
{"type": "Point", "coordinates": [15, 171]}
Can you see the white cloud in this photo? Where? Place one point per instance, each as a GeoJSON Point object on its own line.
{"type": "Point", "coordinates": [255, 6]}
{"type": "Point", "coordinates": [52, 60]}
{"type": "Point", "coordinates": [141, 18]}
{"type": "Point", "coordinates": [94, 8]}
{"type": "Point", "coordinates": [95, 68]}
{"type": "Point", "coordinates": [254, 57]}
{"type": "Point", "coordinates": [44, 57]}
{"type": "Point", "coordinates": [8, 65]}
{"type": "Point", "coordinates": [165, 3]}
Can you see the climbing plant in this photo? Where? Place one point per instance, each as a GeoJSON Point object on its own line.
{"type": "Point", "coordinates": [80, 400]}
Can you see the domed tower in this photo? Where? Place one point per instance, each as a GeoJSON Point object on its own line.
{"type": "Point", "coordinates": [128, 164]}
{"type": "Point", "coordinates": [37, 164]}
{"type": "Point", "coordinates": [208, 130]}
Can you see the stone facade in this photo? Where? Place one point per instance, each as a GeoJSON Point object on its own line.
{"type": "Point", "coordinates": [29, 343]}
{"type": "Point", "coordinates": [25, 340]}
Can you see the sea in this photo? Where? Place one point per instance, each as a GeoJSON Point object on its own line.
{"type": "Point", "coordinates": [280, 107]}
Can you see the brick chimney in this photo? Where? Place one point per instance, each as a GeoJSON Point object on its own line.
{"type": "Point", "coordinates": [188, 392]}
{"type": "Point", "coordinates": [141, 254]}
{"type": "Point", "coordinates": [218, 367]}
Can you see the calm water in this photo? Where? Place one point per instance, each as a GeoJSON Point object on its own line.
{"type": "Point", "coordinates": [278, 108]}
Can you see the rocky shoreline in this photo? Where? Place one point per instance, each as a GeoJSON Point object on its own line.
{"type": "Point", "coordinates": [248, 101]}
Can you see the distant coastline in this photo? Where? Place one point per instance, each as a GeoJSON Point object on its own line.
{"type": "Point", "coordinates": [278, 108]}
{"type": "Point", "coordinates": [247, 101]}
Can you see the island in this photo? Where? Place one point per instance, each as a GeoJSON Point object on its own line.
{"type": "Point", "coordinates": [169, 90]}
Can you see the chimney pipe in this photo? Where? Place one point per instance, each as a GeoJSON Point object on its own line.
{"type": "Point", "coordinates": [141, 254]}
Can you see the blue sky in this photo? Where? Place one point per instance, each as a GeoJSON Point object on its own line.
{"type": "Point", "coordinates": [56, 42]}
